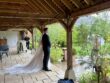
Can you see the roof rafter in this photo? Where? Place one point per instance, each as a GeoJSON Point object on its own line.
{"type": "Point", "coordinates": [49, 2]}
{"type": "Point", "coordinates": [89, 2]}
{"type": "Point", "coordinates": [59, 5]}
{"type": "Point", "coordinates": [18, 23]}
{"type": "Point", "coordinates": [32, 6]}
{"type": "Point", "coordinates": [77, 3]}
{"type": "Point", "coordinates": [40, 3]}
{"type": "Point", "coordinates": [48, 6]}
{"type": "Point", "coordinates": [21, 27]}
{"type": "Point", "coordinates": [67, 4]}
{"type": "Point", "coordinates": [15, 13]}
{"type": "Point", "coordinates": [24, 17]}
{"type": "Point", "coordinates": [56, 8]}
{"type": "Point", "coordinates": [92, 9]}
{"type": "Point", "coordinates": [39, 7]}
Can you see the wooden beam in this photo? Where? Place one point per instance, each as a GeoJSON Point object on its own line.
{"type": "Point", "coordinates": [67, 4]}
{"type": "Point", "coordinates": [63, 24]}
{"type": "Point", "coordinates": [50, 21]}
{"type": "Point", "coordinates": [48, 7]}
{"type": "Point", "coordinates": [68, 24]}
{"type": "Point", "coordinates": [6, 22]}
{"type": "Point", "coordinates": [24, 15]}
{"type": "Point", "coordinates": [40, 28]}
{"type": "Point", "coordinates": [14, 27]}
{"type": "Point", "coordinates": [52, 6]}
{"type": "Point", "coordinates": [33, 7]}
{"type": "Point", "coordinates": [42, 6]}
{"type": "Point", "coordinates": [76, 3]}
{"type": "Point", "coordinates": [59, 5]}
{"type": "Point", "coordinates": [29, 18]}
{"type": "Point", "coordinates": [16, 20]}
{"type": "Point", "coordinates": [92, 9]}
{"type": "Point", "coordinates": [15, 7]}
{"type": "Point", "coordinates": [14, 14]}
{"type": "Point", "coordinates": [89, 2]}
{"type": "Point", "coordinates": [17, 25]}
{"type": "Point", "coordinates": [8, 4]}
{"type": "Point", "coordinates": [13, 1]}
{"type": "Point", "coordinates": [37, 6]}
{"type": "Point", "coordinates": [17, 12]}
{"type": "Point", "coordinates": [4, 28]}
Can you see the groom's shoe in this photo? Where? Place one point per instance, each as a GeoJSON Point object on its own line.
{"type": "Point", "coordinates": [48, 70]}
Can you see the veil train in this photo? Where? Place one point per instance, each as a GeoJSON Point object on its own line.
{"type": "Point", "coordinates": [34, 65]}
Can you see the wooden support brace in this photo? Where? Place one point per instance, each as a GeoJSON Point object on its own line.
{"type": "Point", "coordinates": [68, 24]}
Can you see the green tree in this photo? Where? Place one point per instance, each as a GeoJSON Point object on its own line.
{"type": "Point", "coordinates": [57, 34]}
{"type": "Point", "coordinates": [83, 32]}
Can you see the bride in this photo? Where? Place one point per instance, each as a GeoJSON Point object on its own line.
{"type": "Point", "coordinates": [34, 65]}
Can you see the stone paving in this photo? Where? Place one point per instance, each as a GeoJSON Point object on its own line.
{"type": "Point", "coordinates": [39, 77]}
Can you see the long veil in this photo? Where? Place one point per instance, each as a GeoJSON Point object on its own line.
{"type": "Point", "coordinates": [34, 65]}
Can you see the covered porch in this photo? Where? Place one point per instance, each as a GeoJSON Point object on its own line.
{"type": "Point", "coordinates": [28, 14]}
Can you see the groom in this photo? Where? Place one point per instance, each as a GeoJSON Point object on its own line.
{"type": "Point", "coordinates": [46, 48]}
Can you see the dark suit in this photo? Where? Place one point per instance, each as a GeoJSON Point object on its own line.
{"type": "Point", "coordinates": [46, 48]}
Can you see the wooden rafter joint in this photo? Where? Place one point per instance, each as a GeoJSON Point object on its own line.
{"type": "Point", "coordinates": [63, 23]}
{"type": "Point", "coordinates": [68, 22]}
{"type": "Point", "coordinates": [31, 29]}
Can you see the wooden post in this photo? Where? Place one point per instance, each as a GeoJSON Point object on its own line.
{"type": "Point", "coordinates": [41, 28]}
{"type": "Point", "coordinates": [32, 39]}
{"type": "Point", "coordinates": [69, 48]}
{"type": "Point", "coordinates": [31, 30]}
{"type": "Point", "coordinates": [68, 24]}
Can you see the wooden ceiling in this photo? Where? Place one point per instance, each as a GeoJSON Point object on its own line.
{"type": "Point", "coordinates": [30, 13]}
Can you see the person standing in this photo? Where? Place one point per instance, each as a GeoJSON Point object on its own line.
{"type": "Point", "coordinates": [27, 41]}
{"type": "Point", "coordinates": [46, 49]}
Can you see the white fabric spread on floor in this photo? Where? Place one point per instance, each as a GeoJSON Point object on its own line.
{"type": "Point", "coordinates": [34, 65]}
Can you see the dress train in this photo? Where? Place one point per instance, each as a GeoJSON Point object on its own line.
{"type": "Point", "coordinates": [34, 65]}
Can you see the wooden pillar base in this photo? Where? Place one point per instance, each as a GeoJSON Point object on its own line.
{"type": "Point", "coordinates": [69, 74]}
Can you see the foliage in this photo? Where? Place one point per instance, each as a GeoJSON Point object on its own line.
{"type": "Point", "coordinates": [104, 49]}
{"type": "Point", "coordinates": [38, 36]}
{"type": "Point", "coordinates": [74, 51]}
{"type": "Point", "coordinates": [80, 35]}
{"type": "Point", "coordinates": [56, 54]}
{"type": "Point", "coordinates": [83, 51]}
{"type": "Point", "coordinates": [75, 34]}
{"type": "Point", "coordinates": [105, 66]}
{"type": "Point", "coordinates": [100, 27]}
{"type": "Point", "coordinates": [83, 32]}
{"type": "Point", "coordinates": [88, 77]}
{"type": "Point", "coordinates": [57, 35]}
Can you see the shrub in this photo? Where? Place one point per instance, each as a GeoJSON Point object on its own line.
{"type": "Point", "coordinates": [74, 51]}
{"type": "Point", "coordinates": [56, 54]}
{"type": "Point", "coordinates": [83, 51]}
{"type": "Point", "coordinates": [88, 77]}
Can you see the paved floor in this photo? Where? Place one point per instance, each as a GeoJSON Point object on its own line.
{"type": "Point", "coordinates": [39, 77]}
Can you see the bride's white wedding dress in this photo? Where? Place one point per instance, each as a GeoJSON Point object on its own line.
{"type": "Point", "coordinates": [34, 65]}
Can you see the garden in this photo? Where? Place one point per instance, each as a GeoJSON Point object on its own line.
{"type": "Point", "coordinates": [82, 43]}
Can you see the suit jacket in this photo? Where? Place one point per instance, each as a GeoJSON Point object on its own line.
{"type": "Point", "coordinates": [46, 41]}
